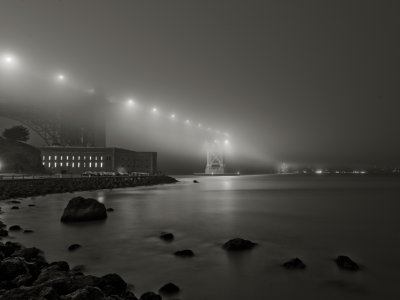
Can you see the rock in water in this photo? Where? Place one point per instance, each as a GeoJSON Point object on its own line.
{"type": "Point", "coordinates": [346, 263]}
{"type": "Point", "coordinates": [15, 228]}
{"type": "Point", "coordinates": [150, 296]}
{"type": "Point", "coordinates": [169, 288]}
{"type": "Point", "coordinates": [238, 244]}
{"type": "Point", "coordinates": [167, 236]}
{"type": "Point", "coordinates": [195, 181]}
{"type": "Point", "coordinates": [83, 209]}
{"type": "Point", "coordinates": [184, 253]}
{"type": "Point", "coordinates": [294, 263]}
{"type": "Point", "coordinates": [74, 247]}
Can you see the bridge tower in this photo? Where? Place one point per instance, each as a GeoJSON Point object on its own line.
{"type": "Point", "coordinates": [215, 158]}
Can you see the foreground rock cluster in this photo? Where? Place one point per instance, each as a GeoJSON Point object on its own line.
{"type": "Point", "coordinates": [25, 274]}
{"type": "Point", "coordinates": [35, 187]}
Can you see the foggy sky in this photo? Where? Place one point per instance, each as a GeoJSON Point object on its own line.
{"type": "Point", "coordinates": [310, 82]}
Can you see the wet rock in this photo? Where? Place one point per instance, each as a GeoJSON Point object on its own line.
{"type": "Point", "coordinates": [184, 253]}
{"type": "Point", "coordinates": [86, 293]}
{"type": "Point", "coordinates": [195, 181]}
{"type": "Point", "coordinates": [9, 248]}
{"type": "Point", "coordinates": [167, 236]}
{"type": "Point", "coordinates": [2, 224]}
{"type": "Point", "coordinates": [23, 279]}
{"type": "Point", "coordinates": [150, 296]}
{"type": "Point", "coordinates": [238, 244]}
{"type": "Point", "coordinates": [110, 209]}
{"type": "Point", "coordinates": [78, 268]}
{"type": "Point", "coordinates": [112, 284]}
{"type": "Point", "coordinates": [12, 267]}
{"type": "Point", "coordinates": [345, 262]}
{"type": "Point", "coordinates": [29, 254]}
{"type": "Point", "coordinates": [169, 288]}
{"type": "Point", "coordinates": [294, 263]}
{"type": "Point", "coordinates": [15, 228]}
{"type": "Point", "coordinates": [84, 209]}
{"type": "Point", "coordinates": [14, 207]}
{"type": "Point", "coordinates": [28, 231]}
{"type": "Point", "coordinates": [60, 265]}
{"type": "Point", "coordinates": [74, 247]}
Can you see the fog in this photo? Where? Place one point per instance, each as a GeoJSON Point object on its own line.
{"type": "Point", "coordinates": [314, 82]}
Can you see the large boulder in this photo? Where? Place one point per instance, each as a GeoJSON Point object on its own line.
{"type": "Point", "coordinates": [84, 209]}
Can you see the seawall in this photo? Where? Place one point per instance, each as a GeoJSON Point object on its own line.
{"type": "Point", "coordinates": [21, 188]}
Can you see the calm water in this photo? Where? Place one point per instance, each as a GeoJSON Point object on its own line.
{"type": "Point", "coordinates": [314, 218]}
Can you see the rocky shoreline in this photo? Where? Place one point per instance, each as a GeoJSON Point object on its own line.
{"type": "Point", "coordinates": [22, 188]}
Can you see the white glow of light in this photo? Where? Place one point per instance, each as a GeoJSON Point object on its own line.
{"type": "Point", "coordinates": [226, 142]}
{"type": "Point", "coordinates": [154, 110]}
{"type": "Point", "coordinates": [131, 102]}
{"type": "Point", "coordinates": [318, 172]}
{"type": "Point", "coordinates": [172, 116]}
{"type": "Point", "coordinates": [187, 121]}
{"type": "Point", "coordinates": [9, 60]}
{"type": "Point", "coordinates": [199, 125]}
{"type": "Point", "coordinates": [60, 77]}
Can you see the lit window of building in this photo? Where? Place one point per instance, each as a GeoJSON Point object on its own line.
{"type": "Point", "coordinates": [90, 157]}
{"type": "Point", "coordinates": [79, 158]}
{"type": "Point", "coordinates": [60, 157]}
{"type": "Point", "coordinates": [79, 164]}
{"type": "Point", "coordinates": [90, 165]}
{"type": "Point", "coordinates": [101, 157]}
{"type": "Point", "coordinates": [73, 165]}
{"type": "Point", "coordinates": [67, 157]}
{"type": "Point", "coordinates": [49, 157]}
{"type": "Point", "coordinates": [95, 165]}
{"type": "Point", "coordinates": [49, 165]}
{"type": "Point", "coordinates": [55, 165]}
{"type": "Point", "coordinates": [67, 164]}
{"type": "Point", "coordinates": [60, 164]}
{"type": "Point", "coordinates": [84, 165]}
{"type": "Point", "coordinates": [43, 157]}
{"type": "Point", "coordinates": [101, 165]}
{"type": "Point", "coordinates": [73, 157]}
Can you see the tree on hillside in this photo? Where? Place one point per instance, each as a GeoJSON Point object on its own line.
{"type": "Point", "coordinates": [16, 133]}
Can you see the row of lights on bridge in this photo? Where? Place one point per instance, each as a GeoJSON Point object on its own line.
{"type": "Point", "coordinates": [10, 61]}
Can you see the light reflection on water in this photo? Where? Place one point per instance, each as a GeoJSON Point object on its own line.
{"type": "Point", "coordinates": [314, 218]}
